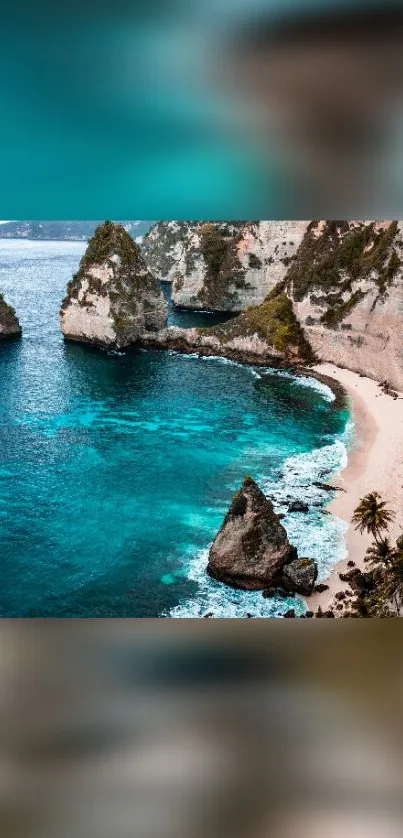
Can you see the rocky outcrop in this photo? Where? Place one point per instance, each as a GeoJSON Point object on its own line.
{"type": "Point", "coordinates": [346, 284]}
{"type": "Point", "coordinates": [222, 266]}
{"type": "Point", "coordinates": [344, 278]}
{"type": "Point", "coordinates": [164, 248]}
{"type": "Point", "coordinates": [9, 323]}
{"type": "Point", "coordinates": [252, 547]}
{"type": "Point", "coordinates": [299, 576]}
{"type": "Point", "coordinates": [266, 334]}
{"type": "Point", "coordinates": [273, 323]}
{"type": "Point", "coordinates": [113, 300]}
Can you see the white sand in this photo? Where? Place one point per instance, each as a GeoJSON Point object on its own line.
{"type": "Point", "coordinates": [375, 463]}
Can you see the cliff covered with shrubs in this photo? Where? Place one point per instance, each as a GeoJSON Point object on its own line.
{"type": "Point", "coordinates": [222, 265]}
{"type": "Point", "coordinates": [113, 299]}
{"type": "Point", "coordinates": [344, 280]}
{"type": "Point", "coordinates": [346, 284]}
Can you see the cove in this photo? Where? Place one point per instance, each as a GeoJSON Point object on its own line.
{"type": "Point", "coordinates": [116, 469]}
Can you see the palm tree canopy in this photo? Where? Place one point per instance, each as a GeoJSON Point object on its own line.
{"type": "Point", "coordinates": [372, 515]}
{"type": "Point", "coordinates": [381, 553]}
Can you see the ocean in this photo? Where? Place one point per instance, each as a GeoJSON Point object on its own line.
{"type": "Point", "coordinates": [117, 468]}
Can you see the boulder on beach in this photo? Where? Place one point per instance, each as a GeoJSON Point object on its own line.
{"type": "Point", "coordinates": [299, 576]}
{"type": "Point", "coordinates": [113, 300]}
{"type": "Point", "coordinates": [252, 547]}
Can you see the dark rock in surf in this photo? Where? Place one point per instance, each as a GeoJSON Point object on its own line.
{"type": "Point", "coordinates": [299, 576]}
{"type": "Point", "coordinates": [252, 547]}
{"type": "Point", "coordinates": [298, 506]}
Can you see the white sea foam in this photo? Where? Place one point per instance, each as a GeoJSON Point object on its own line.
{"type": "Point", "coordinates": [259, 372]}
{"type": "Point", "coordinates": [304, 381]}
{"type": "Point", "coordinates": [220, 601]}
{"type": "Point", "coordinates": [318, 535]}
{"type": "Point", "coordinates": [315, 534]}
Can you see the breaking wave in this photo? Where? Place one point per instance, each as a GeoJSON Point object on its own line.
{"type": "Point", "coordinates": [317, 534]}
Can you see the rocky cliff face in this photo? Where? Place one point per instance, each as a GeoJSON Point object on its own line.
{"type": "Point", "coordinates": [222, 266]}
{"type": "Point", "coordinates": [113, 299]}
{"type": "Point", "coordinates": [266, 334]}
{"type": "Point", "coordinates": [346, 284]}
{"type": "Point", "coordinates": [344, 280]}
{"type": "Point", "coordinates": [9, 323]}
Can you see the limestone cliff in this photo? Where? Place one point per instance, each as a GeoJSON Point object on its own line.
{"type": "Point", "coordinates": [113, 299]}
{"type": "Point", "coordinates": [346, 284]}
{"type": "Point", "coordinates": [265, 334]}
{"type": "Point", "coordinates": [272, 324]}
{"type": "Point", "coordinates": [343, 278]}
{"type": "Point", "coordinates": [9, 323]}
{"type": "Point", "coordinates": [222, 266]}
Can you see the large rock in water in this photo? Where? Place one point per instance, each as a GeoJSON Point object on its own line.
{"type": "Point", "coordinates": [113, 300]}
{"type": "Point", "coordinates": [251, 547]}
{"type": "Point", "coordinates": [9, 323]}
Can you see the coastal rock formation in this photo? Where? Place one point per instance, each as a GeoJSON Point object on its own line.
{"type": "Point", "coordinates": [9, 323]}
{"type": "Point", "coordinates": [266, 334]}
{"type": "Point", "coordinates": [299, 576]}
{"type": "Point", "coordinates": [344, 279]}
{"type": "Point", "coordinates": [222, 266]}
{"type": "Point", "coordinates": [346, 284]}
{"type": "Point", "coordinates": [251, 547]}
{"type": "Point", "coordinates": [113, 300]}
{"type": "Point", "coordinates": [163, 248]}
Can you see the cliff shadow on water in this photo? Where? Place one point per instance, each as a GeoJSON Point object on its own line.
{"type": "Point", "coordinates": [190, 318]}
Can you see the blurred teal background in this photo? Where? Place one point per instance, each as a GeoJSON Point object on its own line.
{"type": "Point", "coordinates": [128, 110]}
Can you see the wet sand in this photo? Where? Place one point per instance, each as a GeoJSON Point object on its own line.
{"type": "Point", "coordinates": [375, 463]}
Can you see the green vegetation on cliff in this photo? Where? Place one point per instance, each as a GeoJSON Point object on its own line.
{"type": "Point", "coordinates": [332, 259]}
{"type": "Point", "coordinates": [224, 271]}
{"type": "Point", "coordinates": [113, 268]}
{"type": "Point", "coordinates": [109, 241]}
{"type": "Point", "coordinates": [273, 321]}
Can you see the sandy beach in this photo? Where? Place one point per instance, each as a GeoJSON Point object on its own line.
{"type": "Point", "coordinates": [375, 462]}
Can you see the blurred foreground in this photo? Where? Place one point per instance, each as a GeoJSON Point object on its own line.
{"type": "Point", "coordinates": [242, 109]}
{"type": "Point", "coordinates": [232, 729]}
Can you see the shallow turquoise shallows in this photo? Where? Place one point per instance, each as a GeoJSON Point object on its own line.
{"type": "Point", "coordinates": [116, 468]}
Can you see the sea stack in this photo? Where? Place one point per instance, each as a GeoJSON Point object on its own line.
{"type": "Point", "coordinates": [251, 548]}
{"type": "Point", "coordinates": [113, 300]}
{"type": "Point", "coordinates": [9, 323]}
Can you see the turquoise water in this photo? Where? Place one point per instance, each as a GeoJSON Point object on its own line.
{"type": "Point", "coordinates": [117, 468]}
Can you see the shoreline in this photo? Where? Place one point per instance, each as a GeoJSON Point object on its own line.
{"type": "Point", "coordinates": [375, 454]}
{"type": "Point", "coordinates": [375, 463]}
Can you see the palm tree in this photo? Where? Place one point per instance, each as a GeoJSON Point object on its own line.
{"type": "Point", "coordinates": [382, 553]}
{"type": "Point", "coordinates": [361, 607]}
{"type": "Point", "coordinates": [372, 515]}
{"type": "Point", "coordinates": [388, 561]}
